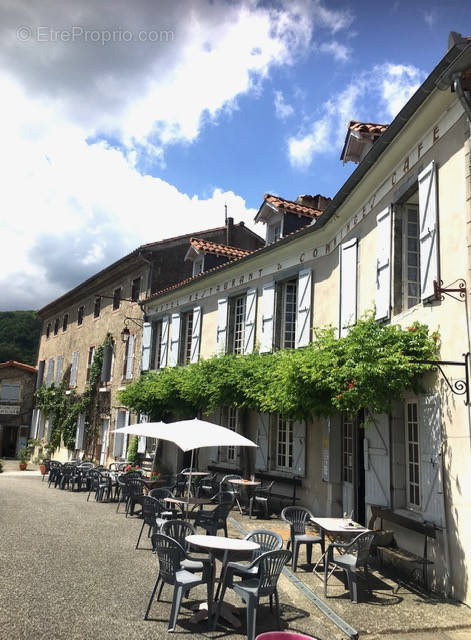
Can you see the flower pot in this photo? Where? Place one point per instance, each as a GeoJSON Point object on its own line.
{"type": "Point", "coordinates": [43, 469]}
{"type": "Point", "coordinates": [23, 466]}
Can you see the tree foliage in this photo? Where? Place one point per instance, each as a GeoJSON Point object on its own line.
{"type": "Point", "coordinates": [369, 368]}
{"type": "Point", "coordinates": [19, 336]}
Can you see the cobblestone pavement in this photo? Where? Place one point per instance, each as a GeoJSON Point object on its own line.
{"type": "Point", "coordinates": [69, 570]}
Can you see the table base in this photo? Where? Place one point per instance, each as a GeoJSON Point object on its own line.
{"type": "Point", "coordinates": [227, 612]}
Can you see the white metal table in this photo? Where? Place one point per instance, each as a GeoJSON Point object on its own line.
{"type": "Point", "coordinates": [213, 544]}
{"type": "Point", "coordinates": [249, 484]}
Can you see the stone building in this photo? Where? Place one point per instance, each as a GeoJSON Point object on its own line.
{"type": "Point", "coordinates": [17, 384]}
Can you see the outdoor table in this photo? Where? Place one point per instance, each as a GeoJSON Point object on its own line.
{"type": "Point", "coordinates": [195, 475]}
{"type": "Point", "coordinates": [248, 484]}
{"type": "Point", "coordinates": [194, 502]}
{"type": "Point", "coordinates": [228, 546]}
{"type": "Point", "coordinates": [336, 530]}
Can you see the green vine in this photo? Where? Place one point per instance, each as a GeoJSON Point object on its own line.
{"type": "Point", "coordinates": [369, 368]}
{"type": "Point", "coordinates": [65, 407]}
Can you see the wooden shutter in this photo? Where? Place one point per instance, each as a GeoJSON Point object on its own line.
{"type": "Point", "coordinates": [40, 376]}
{"type": "Point", "coordinates": [430, 443]}
{"type": "Point", "coordinates": [41, 425]}
{"type": "Point", "coordinates": [80, 432]}
{"type": "Point", "coordinates": [119, 437]}
{"type": "Point", "coordinates": [428, 218]}
{"type": "Point", "coordinates": [196, 335]}
{"type": "Point", "coordinates": [221, 335]}
{"type": "Point", "coordinates": [141, 444]}
{"type": "Point", "coordinates": [376, 461]}
{"type": "Point", "coordinates": [58, 376]}
{"type": "Point", "coordinates": [74, 369]}
{"type": "Point", "coordinates": [130, 357]}
{"type": "Point", "coordinates": [50, 372]}
{"type": "Point", "coordinates": [250, 316]}
{"type": "Point", "coordinates": [164, 342]}
{"type": "Point", "coordinates": [299, 448]}
{"type": "Point", "coordinates": [34, 424]}
{"type": "Point", "coordinates": [107, 361]}
{"type": "Point", "coordinates": [174, 340]}
{"type": "Point", "coordinates": [383, 265]}
{"type": "Point", "coordinates": [261, 453]}
{"type": "Point", "coordinates": [146, 344]}
{"type": "Point", "coordinates": [303, 308]}
{"type": "Point", "coordinates": [268, 312]}
{"type": "Point", "coordinates": [348, 286]}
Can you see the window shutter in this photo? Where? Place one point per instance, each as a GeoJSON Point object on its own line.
{"type": "Point", "coordinates": [41, 425]}
{"type": "Point", "coordinates": [164, 342]}
{"type": "Point", "coordinates": [376, 461]}
{"type": "Point", "coordinates": [174, 340]}
{"type": "Point", "coordinates": [146, 343]}
{"type": "Point", "coordinates": [303, 313]}
{"type": "Point", "coordinates": [73, 369]}
{"type": "Point", "coordinates": [34, 424]}
{"type": "Point", "coordinates": [119, 437]}
{"type": "Point", "coordinates": [250, 318]}
{"type": "Point", "coordinates": [124, 451]}
{"type": "Point", "coordinates": [428, 217]}
{"type": "Point", "coordinates": [196, 335]}
{"type": "Point", "coordinates": [268, 311]}
{"type": "Point", "coordinates": [106, 365]}
{"type": "Point", "coordinates": [221, 336]}
{"type": "Point", "coordinates": [130, 357]}
{"type": "Point", "coordinates": [261, 453]}
{"type": "Point", "coordinates": [58, 376]}
{"type": "Point", "coordinates": [141, 444]}
{"type": "Point", "coordinates": [430, 442]}
{"type": "Point", "coordinates": [50, 372]}
{"type": "Point", "coordinates": [299, 448]}
{"type": "Point", "coordinates": [383, 265]}
{"type": "Point", "coordinates": [40, 376]}
{"type": "Point", "coordinates": [80, 433]}
{"type": "Point", "coordinates": [348, 286]}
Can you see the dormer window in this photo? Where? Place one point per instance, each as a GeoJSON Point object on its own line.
{"type": "Point", "coordinates": [273, 232]}
{"type": "Point", "coordinates": [198, 266]}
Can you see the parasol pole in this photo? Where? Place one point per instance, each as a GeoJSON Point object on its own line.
{"type": "Point", "coordinates": [189, 484]}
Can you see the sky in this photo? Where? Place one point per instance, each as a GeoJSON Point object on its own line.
{"type": "Point", "coordinates": [125, 122]}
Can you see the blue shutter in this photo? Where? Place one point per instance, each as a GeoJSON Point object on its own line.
{"type": "Point", "coordinates": [146, 343]}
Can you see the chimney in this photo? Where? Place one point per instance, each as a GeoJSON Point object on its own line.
{"type": "Point", "coordinates": [315, 202]}
{"type": "Point", "coordinates": [229, 231]}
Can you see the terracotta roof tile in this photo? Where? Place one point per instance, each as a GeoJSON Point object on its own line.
{"type": "Point", "coordinates": [367, 127]}
{"type": "Point", "coordinates": [218, 249]}
{"type": "Point", "coordinates": [292, 207]}
{"type": "Point", "coordinates": [19, 365]}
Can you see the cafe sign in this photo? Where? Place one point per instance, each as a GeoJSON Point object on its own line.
{"type": "Point", "coordinates": [9, 410]}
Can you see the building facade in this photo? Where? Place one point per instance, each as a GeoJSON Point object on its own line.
{"type": "Point", "coordinates": [17, 384]}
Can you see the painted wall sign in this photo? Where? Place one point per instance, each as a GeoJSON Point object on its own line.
{"type": "Point", "coordinates": [7, 410]}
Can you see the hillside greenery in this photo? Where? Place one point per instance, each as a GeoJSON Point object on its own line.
{"type": "Point", "coordinates": [19, 336]}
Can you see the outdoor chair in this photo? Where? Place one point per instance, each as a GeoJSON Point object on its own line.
{"type": "Point", "coordinates": [122, 493]}
{"type": "Point", "coordinates": [68, 472]}
{"type": "Point", "coordinates": [351, 556]}
{"type": "Point", "coordinates": [178, 530]}
{"type": "Point", "coordinates": [264, 584]}
{"type": "Point", "coordinates": [100, 485]}
{"type": "Point", "coordinates": [296, 518]}
{"type": "Point", "coordinates": [260, 499]}
{"type": "Point", "coordinates": [225, 485]}
{"type": "Point", "coordinates": [214, 519]}
{"type": "Point", "coordinates": [171, 554]}
{"type": "Point", "coordinates": [175, 511]}
{"type": "Point", "coordinates": [152, 515]}
{"type": "Point", "coordinates": [135, 490]}
{"type": "Point", "coordinates": [223, 497]}
{"type": "Point", "coordinates": [55, 472]}
{"type": "Point", "coordinates": [208, 486]}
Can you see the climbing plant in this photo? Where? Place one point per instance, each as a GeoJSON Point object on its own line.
{"type": "Point", "coordinates": [369, 368]}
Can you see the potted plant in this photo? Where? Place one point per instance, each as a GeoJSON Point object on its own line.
{"type": "Point", "coordinates": [24, 455]}
{"type": "Point", "coordinates": [43, 455]}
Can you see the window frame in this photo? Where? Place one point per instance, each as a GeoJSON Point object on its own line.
{"type": "Point", "coordinates": [65, 322]}
{"type": "Point", "coordinates": [348, 435]}
{"type": "Point", "coordinates": [284, 447]}
{"type": "Point", "coordinates": [80, 315]}
{"type": "Point", "coordinates": [48, 330]}
{"type": "Point", "coordinates": [56, 325]}
{"type": "Point", "coordinates": [238, 306]}
{"type": "Point", "coordinates": [284, 343]}
{"type": "Point", "coordinates": [136, 285]}
{"type": "Point", "coordinates": [97, 307]}
{"type": "Point", "coordinates": [186, 337]}
{"type": "Point", "coordinates": [16, 385]}
{"type": "Point", "coordinates": [406, 252]}
{"type": "Point", "coordinates": [116, 298]}
{"type": "Point", "coordinates": [414, 483]}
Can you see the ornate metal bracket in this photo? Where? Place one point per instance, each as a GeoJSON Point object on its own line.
{"type": "Point", "coordinates": [459, 387]}
{"type": "Point", "coordinates": [439, 290]}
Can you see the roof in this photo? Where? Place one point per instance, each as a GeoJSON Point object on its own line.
{"type": "Point", "coordinates": [291, 206]}
{"type": "Point", "coordinates": [18, 365]}
{"type": "Point", "coordinates": [205, 246]}
{"type": "Point", "coordinates": [371, 129]}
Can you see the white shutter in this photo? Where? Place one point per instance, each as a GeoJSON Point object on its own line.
{"type": "Point", "coordinates": [196, 335]}
{"type": "Point", "coordinates": [80, 433]}
{"type": "Point", "coordinates": [428, 217]}
{"type": "Point", "coordinates": [376, 461]}
{"type": "Point", "coordinates": [50, 372]}
{"type": "Point", "coordinates": [303, 308]}
{"type": "Point", "coordinates": [130, 357]}
{"type": "Point", "coordinates": [164, 343]}
{"type": "Point", "coordinates": [174, 340]}
{"type": "Point", "coordinates": [268, 311]}
{"type": "Point", "coordinates": [299, 448]}
{"type": "Point", "coordinates": [124, 451]}
{"type": "Point", "coordinates": [41, 426]}
{"type": "Point", "coordinates": [261, 453]}
{"type": "Point", "coordinates": [430, 443]}
{"type": "Point", "coordinates": [250, 315]}
{"type": "Point", "coordinates": [34, 424]}
{"type": "Point", "coordinates": [141, 444]}
{"type": "Point", "coordinates": [58, 376]}
{"type": "Point", "coordinates": [348, 286]}
{"type": "Point", "coordinates": [146, 342]}
{"type": "Point", "coordinates": [383, 265]}
{"type": "Point", "coordinates": [119, 437]}
{"type": "Point", "coordinates": [73, 369]}
{"type": "Point", "coordinates": [221, 335]}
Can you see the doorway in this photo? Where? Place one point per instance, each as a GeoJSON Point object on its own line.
{"type": "Point", "coordinates": [353, 469]}
{"type": "Point", "coordinates": [10, 436]}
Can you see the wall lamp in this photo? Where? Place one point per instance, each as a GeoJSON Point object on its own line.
{"type": "Point", "coordinates": [125, 333]}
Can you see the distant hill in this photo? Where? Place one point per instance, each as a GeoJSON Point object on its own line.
{"type": "Point", "coordinates": [19, 336]}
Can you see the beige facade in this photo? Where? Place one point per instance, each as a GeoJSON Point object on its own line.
{"type": "Point", "coordinates": [400, 223]}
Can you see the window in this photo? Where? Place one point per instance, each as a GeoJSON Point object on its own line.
{"type": "Point", "coordinates": [411, 257]}
{"type": "Point", "coordinates": [136, 289]}
{"type": "Point", "coordinates": [91, 354]}
{"type": "Point", "coordinates": [238, 317]}
{"type": "Point", "coordinates": [198, 266]}
{"type": "Point", "coordinates": [97, 307]}
{"type": "Point", "coordinates": [56, 326]}
{"type": "Point", "coordinates": [9, 392]}
{"type": "Point", "coordinates": [347, 447]}
{"type": "Point", "coordinates": [80, 313]}
{"type": "Point", "coordinates": [288, 315]}
{"type": "Point", "coordinates": [116, 298]}
{"type": "Point", "coordinates": [48, 330]}
{"type": "Point", "coordinates": [129, 358]}
{"type": "Point", "coordinates": [187, 337]}
{"type": "Point", "coordinates": [65, 321]}
{"type": "Point", "coordinates": [284, 444]}
{"type": "Point", "coordinates": [412, 455]}
{"type": "Point", "coordinates": [73, 369]}
{"type": "Point", "coordinates": [274, 231]}
{"type": "Point", "coordinates": [156, 348]}
{"type": "Point", "coordinates": [230, 419]}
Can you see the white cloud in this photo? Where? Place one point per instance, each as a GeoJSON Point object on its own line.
{"type": "Point", "coordinates": [430, 17]}
{"type": "Point", "coordinates": [363, 100]}
{"type": "Point", "coordinates": [283, 110]}
{"type": "Point", "coordinates": [339, 51]}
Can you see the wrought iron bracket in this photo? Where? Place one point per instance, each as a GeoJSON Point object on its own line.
{"type": "Point", "coordinates": [439, 290]}
{"type": "Point", "coordinates": [459, 387]}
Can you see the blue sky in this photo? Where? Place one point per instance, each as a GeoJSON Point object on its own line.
{"type": "Point", "coordinates": [127, 127]}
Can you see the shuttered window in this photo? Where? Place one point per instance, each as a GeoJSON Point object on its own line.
{"type": "Point", "coordinates": [146, 346]}
{"type": "Point", "coordinates": [187, 337]}
{"type": "Point", "coordinates": [9, 392]}
{"type": "Point", "coordinates": [164, 342]}
{"type": "Point", "coordinates": [268, 314]}
{"type": "Point", "coordinates": [196, 334]}
{"type": "Point", "coordinates": [50, 372]}
{"type": "Point", "coordinates": [411, 257]}
{"type": "Point", "coordinates": [91, 355]}
{"type": "Point", "coordinates": [284, 444]}
{"type": "Point", "coordinates": [383, 265]}
{"type": "Point", "coordinates": [74, 369]}
{"type": "Point", "coordinates": [303, 308]}
{"type": "Point", "coordinates": [221, 332]}
{"type": "Point", "coordinates": [238, 331]}
{"type": "Point", "coordinates": [428, 217]}
{"type": "Point", "coordinates": [249, 320]}
{"type": "Point", "coordinates": [288, 314]}
{"type": "Point", "coordinates": [129, 357]}
{"type": "Point", "coordinates": [348, 286]}
{"type": "Point", "coordinates": [174, 340]}
{"type": "Point", "coordinates": [58, 376]}
{"type": "Point", "coordinates": [412, 455]}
